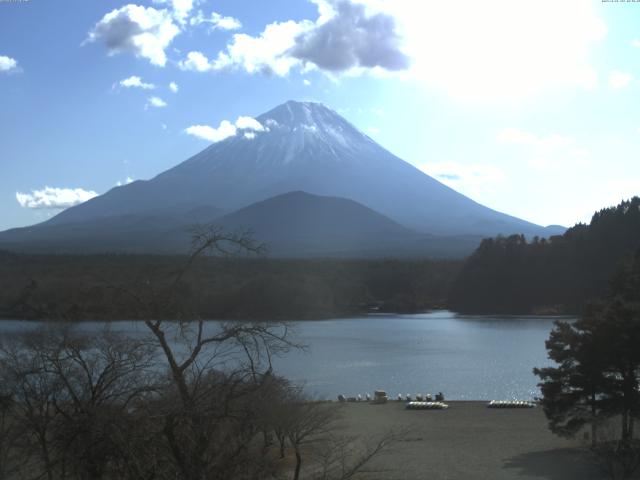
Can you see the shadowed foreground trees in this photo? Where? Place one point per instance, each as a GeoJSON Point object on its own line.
{"type": "Point", "coordinates": [99, 405]}
{"type": "Point", "coordinates": [183, 399]}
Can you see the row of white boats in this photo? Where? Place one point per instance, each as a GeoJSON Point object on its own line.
{"type": "Point", "coordinates": [427, 402]}
{"type": "Point", "coordinates": [380, 396]}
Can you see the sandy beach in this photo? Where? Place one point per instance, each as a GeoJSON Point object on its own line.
{"type": "Point", "coordinates": [469, 441]}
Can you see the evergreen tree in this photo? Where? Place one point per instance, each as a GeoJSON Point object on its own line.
{"type": "Point", "coordinates": [598, 363]}
{"type": "Point", "coordinates": [572, 391]}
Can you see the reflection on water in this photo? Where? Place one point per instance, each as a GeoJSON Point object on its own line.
{"type": "Point", "coordinates": [466, 357]}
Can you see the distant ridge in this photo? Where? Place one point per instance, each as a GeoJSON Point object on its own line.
{"type": "Point", "coordinates": [295, 224]}
{"type": "Point", "coordinates": [303, 147]}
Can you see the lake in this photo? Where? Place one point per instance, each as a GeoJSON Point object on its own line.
{"type": "Point", "coordinates": [466, 357]}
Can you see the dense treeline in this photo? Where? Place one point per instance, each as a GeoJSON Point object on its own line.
{"type": "Point", "coordinates": [90, 287]}
{"type": "Point", "coordinates": [558, 275]}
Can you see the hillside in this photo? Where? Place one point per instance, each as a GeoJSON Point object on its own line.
{"type": "Point", "coordinates": [513, 275]}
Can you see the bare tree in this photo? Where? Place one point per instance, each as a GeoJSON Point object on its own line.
{"type": "Point", "coordinates": [7, 434]}
{"type": "Point", "coordinates": [306, 423]}
{"type": "Point", "coordinates": [71, 391]}
{"type": "Point", "coordinates": [213, 369]}
{"type": "Point", "coordinates": [342, 458]}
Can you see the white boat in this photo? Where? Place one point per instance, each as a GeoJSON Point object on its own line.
{"type": "Point", "coordinates": [426, 406]}
{"type": "Point", "coordinates": [510, 404]}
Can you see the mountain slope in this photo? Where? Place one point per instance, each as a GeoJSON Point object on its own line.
{"type": "Point", "coordinates": [294, 224]}
{"type": "Point", "coordinates": [154, 232]}
{"type": "Point", "coordinates": [305, 147]}
{"type": "Point", "coordinates": [299, 224]}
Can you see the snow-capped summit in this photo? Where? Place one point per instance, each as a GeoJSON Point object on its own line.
{"type": "Point", "coordinates": [303, 146]}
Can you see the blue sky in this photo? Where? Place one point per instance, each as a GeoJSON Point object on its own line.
{"type": "Point", "coordinates": [529, 107]}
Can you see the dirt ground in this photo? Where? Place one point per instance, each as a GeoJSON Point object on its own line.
{"type": "Point", "coordinates": [469, 441]}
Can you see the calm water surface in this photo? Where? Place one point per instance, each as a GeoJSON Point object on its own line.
{"type": "Point", "coordinates": [466, 357]}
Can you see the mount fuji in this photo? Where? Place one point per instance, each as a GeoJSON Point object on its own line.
{"type": "Point", "coordinates": [298, 147]}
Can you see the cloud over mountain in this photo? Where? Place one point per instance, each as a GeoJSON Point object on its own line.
{"type": "Point", "coordinates": [54, 198]}
{"type": "Point", "coordinates": [227, 129]}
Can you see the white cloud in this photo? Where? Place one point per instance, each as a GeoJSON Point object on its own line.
{"type": "Point", "coordinates": [216, 21]}
{"type": "Point", "coordinates": [180, 8]}
{"type": "Point", "coordinates": [266, 53]}
{"type": "Point", "coordinates": [373, 130]}
{"type": "Point", "coordinates": [156, 102]}
{"type": "Point", "coordinates": [472, 179]}
{"type": "Point", "coordinates": [8, 64]}
{"type": "Point", "coordinates": [127, 181]}
{"type": "Point", "coordinates": [249, 123]}
{"type": "Point", "coordinates": [173, 86]}
{"type": "Point", "coordinates": [306, 82]}
{"type": "Point", "coordinates": [618, 79]}
{"type": "Point", "coordinates": [136, 82]}
{"type": "Point", "coordinates": [205, 132]}
{"type": "Point", "coordinates": [50, 197]}
{"type": "Point", "coordinates": [495, 51]}
{"type": "Point", "coordinates": [499, 49]}
{"type": "Point", "coordinates": [144, 32]}
{"type": "Point", "coordinates": [636, 43]}
{"type": "Point", "coordinates": [196, 62]}
{"type": "Point", "coordinates": [546, 152]}
{"type": "Point", "coordinates": [346, 37]}
{"type": "Point", "coordinates": [227, 129]}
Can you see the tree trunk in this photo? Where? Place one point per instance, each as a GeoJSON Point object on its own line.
{"type": "Point", "coordinates": [48, 464]}
{"type": "Point", "coordinates": [625, 425]}
{"type": "Point", "coordinates": [296, 474]}
{"type": "Point", "coordinates": [594, 427]}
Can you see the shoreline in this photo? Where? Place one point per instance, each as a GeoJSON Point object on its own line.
{"type": "Point", "coordinates": [350, 316]}
{"type": "Point", "coordinates": [468, 441]}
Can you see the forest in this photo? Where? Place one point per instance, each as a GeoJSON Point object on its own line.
{"type": "Point", "coordinates": [556, 275]}
{"type": "Point", "coordinates": [75, 287]}
{"type": "Point", "coordinates": [505, 275]}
